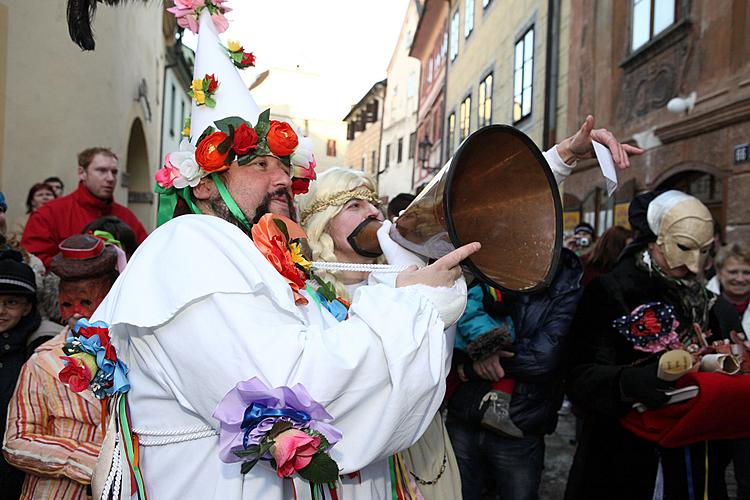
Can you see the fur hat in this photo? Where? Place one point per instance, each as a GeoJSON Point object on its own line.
{"type": "Point", "coordinates": [83, 256]}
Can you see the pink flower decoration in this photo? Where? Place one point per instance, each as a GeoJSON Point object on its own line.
{"type": "Point", "coordinates": [220, 22]}
{"type": "Point", "coordinates": [293, 450]}
{"type": "Point", "coordinates": [166, 175]}
{"type": "Point", "coordinates": [188, 11]}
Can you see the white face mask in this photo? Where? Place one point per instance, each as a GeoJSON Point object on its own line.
{"type": "Point", "coordinates": [686, 234]}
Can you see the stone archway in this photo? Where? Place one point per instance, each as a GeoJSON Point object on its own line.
{"type": "Point", "coordinates": [140, 194]}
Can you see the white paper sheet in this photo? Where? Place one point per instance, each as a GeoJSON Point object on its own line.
{"type": "Point", "coordinates": [607, 164]}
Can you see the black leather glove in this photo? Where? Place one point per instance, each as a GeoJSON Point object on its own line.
{"type": "Point", "coordinates": [642, 385]}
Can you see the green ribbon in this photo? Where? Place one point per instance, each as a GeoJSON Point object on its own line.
{"type": "Point", "coordinates": [231, 204]}
{"type": "Point", "coordinates": [108, 238]}
{"type": "Point", "coordinates": [168, 202]}
{"type": "Point", "coordinates": [127, 435]}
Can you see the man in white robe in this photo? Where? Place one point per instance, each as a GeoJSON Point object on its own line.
{"type": "Point", "coordinates": [199, 309]}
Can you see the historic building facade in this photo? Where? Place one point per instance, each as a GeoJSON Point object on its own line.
{"type": "Point", "coordinates": [628, 60]}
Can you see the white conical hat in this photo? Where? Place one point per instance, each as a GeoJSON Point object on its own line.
{"type": "Point", "coordinates": [232, 96]}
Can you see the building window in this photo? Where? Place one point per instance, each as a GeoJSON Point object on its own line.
{"type": "Point", "coordinates": [387, 155]}
{"type": "Point", "coordinates": [429, 70]}
{"type": "Point", "coordinates": [468, 18]}
{"type": "Point", "coordinates": [451, 132]}
{"type": "Point", "coordinates": [486, 3]}
{"type": "Point", "coordinates": [523, 71]}
{"type": "Point", "coordinates": [363, 164]}
{"type": "Point", "coordinates": [182, 114]}
{"type": "Point", "coordinates": [373, 165]}
{"type": "Point", "coordinates": [400, 150]}
{"type": "Point", "coordinates": [454, 36]}
{"type": "Point", "coordinates": [485, 101]}
{"type": "Point", "coordinates": [411, 86]}
{"type": "Point", "coordinates": [464, 118]}
{"type": "Point", "coordinates": [412, 144]}
{"type": "Point", "coordinates": [172, 107]}
{"type": "Point", "coordinates": [651, 17]}
{"type": "Point", "coordinates": [331, 147]}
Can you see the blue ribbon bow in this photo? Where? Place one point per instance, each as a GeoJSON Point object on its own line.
{"type": "Point", "coordinates": [256, 412]}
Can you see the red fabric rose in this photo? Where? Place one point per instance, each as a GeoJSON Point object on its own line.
{"type": "Point", "coordinates": [75, 374]}
{"type": "Point", "coordinates": [300, 186]}
{"type": "Point", "coordinates": [244, 139]}
{"type": "Point", "coordinates": [212, 83]}
{"type": "Point", "coordinates": [207, 154]}
{"type": "Point", "coordinates": [248, 59]}
{"type": "Point", "coordinates": [282, 140]}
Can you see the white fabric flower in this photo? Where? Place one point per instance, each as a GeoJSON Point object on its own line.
{"type": "Point", "coordinates": [184, 160]}
{"type": "Point", "coordinates": [303, 154]}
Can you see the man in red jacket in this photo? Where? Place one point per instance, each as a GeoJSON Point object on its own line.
{"type": "Point", "coordinates": [65, 216]}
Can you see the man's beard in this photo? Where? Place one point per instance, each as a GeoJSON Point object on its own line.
{"type": "Point", "coordinates": [263, 208]}
{"type": "Point", "coordinates": [220, 209]}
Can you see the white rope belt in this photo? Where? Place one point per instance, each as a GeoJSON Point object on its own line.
{"type": "Point", "coordinates": [368, 268]}
{"type": "Point", "coordinates": [151, 437]}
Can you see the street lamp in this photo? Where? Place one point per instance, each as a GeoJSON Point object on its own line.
{"type": "Point", "coordinates": [425, 148]}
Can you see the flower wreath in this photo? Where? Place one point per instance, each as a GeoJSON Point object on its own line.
{"type": "Point", "coordinates": [231, 139]}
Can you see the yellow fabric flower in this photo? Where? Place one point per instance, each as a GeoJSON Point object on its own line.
{"type": "Point", "coordinates": [186, 132]}
{"type": "Point", "coordinates": [298, 258]}
{"type": "Point", "coordinates": [199, 96]}
{"type": "Point", "coordinates": [88, 360]}
{"type": "Point", "coordinates": [197, 85]}
{"type": "Point", "coordinates": [234, 46]}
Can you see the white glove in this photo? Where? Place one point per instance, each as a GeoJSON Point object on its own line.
{"type": "Point", "coordinates": [395, 254]}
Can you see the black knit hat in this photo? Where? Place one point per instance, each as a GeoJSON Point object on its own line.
{"type": "Point", "coordinates": [15, 276]}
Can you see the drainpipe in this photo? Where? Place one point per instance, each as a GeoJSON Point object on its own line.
{"type": "Point", "coordinates": [552, 63]}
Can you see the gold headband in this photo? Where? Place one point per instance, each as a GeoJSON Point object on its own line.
{"type": "Point", "coordinates": [339, 198]}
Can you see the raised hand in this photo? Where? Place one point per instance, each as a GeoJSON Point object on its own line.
{"type": "Point", "coordinates": [579, 146]}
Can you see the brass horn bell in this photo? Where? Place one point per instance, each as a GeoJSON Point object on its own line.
{"type": "Point", "coordinates": [498, 190]}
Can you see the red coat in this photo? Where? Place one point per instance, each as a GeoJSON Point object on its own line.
{"type": "Point", "coordinates": [68, 215]}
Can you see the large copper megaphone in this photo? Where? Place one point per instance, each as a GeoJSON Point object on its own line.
{"type": "Point", "coordinates": [497, 189]}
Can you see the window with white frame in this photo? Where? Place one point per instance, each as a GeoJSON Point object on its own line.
{"type": "Point", "coordinates": [454, 36]}
{"type": "Point", "coordinates": [651, 17]}
{"type": "Point", "coordinates": [468, 18]}
{"type": "Point", "coordinates": [485, 101]}
{"type": "Point", "coordinates": [523, 71]}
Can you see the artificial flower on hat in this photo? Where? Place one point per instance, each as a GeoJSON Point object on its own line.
{"type": "Point", "coordinates": [303, 166]}
{"type": "Point", "coordinates": [188, 13]}
{"type": "Point", "coordinates": [239, 57]}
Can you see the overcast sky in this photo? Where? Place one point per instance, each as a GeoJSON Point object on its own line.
{"type": "Point", "coordinates": [348, 42]}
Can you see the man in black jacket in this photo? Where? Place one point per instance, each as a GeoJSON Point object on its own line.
{"type": "Point", "coordinates": [610, 370]}
{"type": "Point", "coordinates": [541, 321]}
